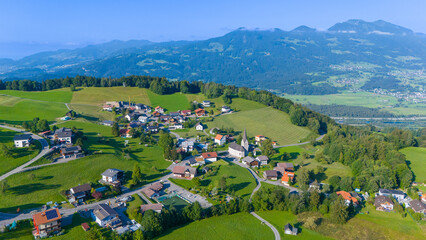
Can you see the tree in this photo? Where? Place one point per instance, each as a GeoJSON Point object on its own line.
{"type": "Point", "coordinates": [196, 181]}
{"type": "Point", "coordinates": [4, 186]}
{"type": "Point", "coordinates": [72, 87]}
{"type": "Point", "coordinates": [339, 213]}
{"type": "Point", "coordinates": [304, 177]}
{"type": "Point", "coordinates": [138, 235]}
{"type": "Point", "coordinates": [314, 200]}
{"type": "Point", "coordinates": [5, 150]}
{"type": "Point", "coordinates": [79, 142]}
{"type": "Point", "coordinates": [267, 148]}
{"type": "Point", "coordinates": [136, 174]}
{"type": "Point", "coordinates": [43, 125]}
{"type": "Point", "coordinates": [222, 183]}
{"type": "Point", "coordinates": [115, 130]}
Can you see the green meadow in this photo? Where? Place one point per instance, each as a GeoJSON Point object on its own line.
{"type": "Point", "coordinates": [416, 158]}
{"type": "Point", "coordinates": [171, 103]}
{"type": "Point", "coordinates": [98, 96]}
{"type": "Point", "coordinates": [238, 226]}
{"type": "Point", "coordinates": [63, 95]}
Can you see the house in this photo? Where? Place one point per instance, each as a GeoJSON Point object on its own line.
{"type": "Point", "coordinates": [225, 109]}
{"type": "Point", "coordinates": [236, 150]}
{"type": "Point", "coordinates": [125, 133]}
{"type": "Point", "coordinates": [383, 203]}
{"type": "Point", "coordinates": [107, 107]}
{"type": "Point", "coordinates": [159, 109]}
{"type": "Point", "coordinates": [79, 193]}
{"type": "Point", "coordinates": [164, 118]}
{"type": "Point", "coordinates": [280, 170]}
{"type": "Point", "coordinates": [270, 175]}
{"type": "Point", "coordinates": [263, 160]}
{"type": "Point", "coordinates": [209, 156]}
{"type": "Point", "coordinates": [72, 151]}
{"type": "Point", "coordinates": [290, 230]}
{"type": "Point", "coordinates": [199, 127]}
{"type": "Point", "coordinates": [200, 161]}
{"type": "Point", "coordinates": [200, 112]}
{"type": "Point", "coordinates": [185, 112]}
{"type": "Point", "coordinates": [206, 103]}
{"type": "Point", "coordinates": [220, 139]}
{"type": "Point", "coordinates": [313, 185]}
{"type": "Point", "coordinates": [259, 138]}
{"type": "Point", "coordinates": [251, 162]}
{"type": "Point", "coordinates": [348, 197]}
{"type": "Point", "coordinates": [152, 129]}
{"type": "Point", "coordinates": [418, 206]}
{"type": "Point", "coordinates": [23, 140]}
{"type": "Point", "coordinates": [113, 104]}
{"type": "Point", "coordinates": [205, 169]}
{"type": "Point", "coordinates": [187, 145]}
{"type": "Point", "coordinates": [174, 114]}
{"type": "Point", "coordinates": [153, 190]}
{"type": "Point", "coordinates": [63, 135]}
{"type": "Point", "coordinates": [423, 197]}
{"type": "Point", "coordinates": [156, 207]}
{"type": "Point", "coordinates": [143, 119]}
{"type": "Point", "coordinates": [46, 223]}
{"type": "Point", "coordinates": [65, 118]}
{"type": "Point", "coordinates": [184, 172]}
{"type": "Point", "coordinates": [112, 176]}
{"type": "Point", "coordinates": [193, 162]}
{"type": "Point", "coordinates": [105, 216]}
{"type": "Point", "coordinates": [288, 167]}
{"type": "Point", "coordinates": [176, 126]}
{"type": "Point", "coordinates": [132, 116]}
{"type": "Point", "coordinates": [287, 178]}
{"type": "Point", "coordinates": [134, 124]}
{"type": "Point", "coordinates": [141, 106]}
{"type": "Point", "coordinates": [108, 123]}
{"type": "Point", "coordinates": [85, 227]}
{"type": "Point", "coordinates": [398, 195]}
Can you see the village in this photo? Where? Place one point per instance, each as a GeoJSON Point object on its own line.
{"type": "Point", "coordinates": [106, 201]}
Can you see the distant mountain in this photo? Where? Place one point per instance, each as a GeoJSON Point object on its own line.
{"type": "Point", "coordinates": [351, 55]}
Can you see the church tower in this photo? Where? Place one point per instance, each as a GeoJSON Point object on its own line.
{"type": "Point", "coordinates": [244, 141]}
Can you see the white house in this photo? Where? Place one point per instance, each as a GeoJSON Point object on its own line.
{"type": "Point", "coordinates": [263, 160]}
{"type": "Point", "coordinates": [220, 139]}
{"type": "Point", "coordinates": [206, 103]}
{"type": "Point", "coordinates": [143, 119]}
{"type": "Point", "coordinates": [290, 230]}
{"type": "Point", "coordinates": [199, 127]}
{"type": "Point", "coordinates": [23, 140]}
{"type": "Point", "coordinates": [209, 156]}
{"type": "Point", "coordinates": [236, 150]}
{"type": "Point", "coordinates": [112, 176]}
{"type": "Point", "coordinates": [225, 109]}
{"type": "Point", "coordinates": [63, 135]}
{"type": "Point", "coordinates": [105, 216]}
{"type": "Point", "coordinates": [398, 195]}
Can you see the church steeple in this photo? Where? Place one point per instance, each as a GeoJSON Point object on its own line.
{"type": "Point", "coordinates": [244, 141]}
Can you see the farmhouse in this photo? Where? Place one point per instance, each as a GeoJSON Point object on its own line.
{"type": "Point", "coordinates": [79, 193]}
{"type": "Point", "coordinates": [46, 223]}
{"type": "Point", "coordinates": [418, 206]}
{"type": "Point", "coordinates": [107, 123]}
{"type": "Point", "coordinates": [290, 230]}
{"type": "Point", "coordinates": [23, 140]}
{"type": "Point", "coordinates": [383, 203]}
{"type": "Point", "coordinates": [143, 119]}
{"type": "Point", "coordinates": [156, 207]}
{"type": "Point", "coordinates": [288, 167]}
{"type": "Point", "coordinates": [206, 103]}
{"type": "Point", "coordinates": [287, 178]}
{"type": "Point", "coordinates": [280, 170]}
{"type": "Point", "coordinates": [225, 109]}
{"type": "Point", "coordinates": [263, 160]}
{"type": "Point", "coordinates": [63, 135]}
{"type": "Point", "coordinates": [209, 156]}
{"type": "Point", "coordinates": [348, 197]}
{"type": "Point", "coordinates": [259, 138]}
{"type": "Point", "coordinates": [184, 172]}
{"type": "Point", "coordinates": [159, 109]}
{"type": "Point", "coordinates": [270, 175]}
{"type": "Point", "coordinates": [125, 133]}
{"type": "Point", "coordinates": [152, 129]}
{"type": "Point", "coordinates": [220, 139]}
{"type": "Point", "coordinates": [112, 176]}
{"type": "Point", "coordinates": [185, 112]}
{"type": "Point", "coordinates": [236, 150]}
{"type": "Point", "coordinates": [200, 112]}
{"type": "Point", "coordinates": [199, 127]}
{"type": "Point", "coordinates": [105, 216]}
{"type": "Point", "coordinates": [251, 162]}
{"type": "Point", "coordinates": [398, 195]}
{"type": "Point", "coordinates": [72, 151]}
{"type": "Point", "coordinates": [153, 190]}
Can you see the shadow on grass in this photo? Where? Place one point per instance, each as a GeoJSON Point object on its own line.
{"type": "Point", "coordinates": [21, 207]}
{"type": "Point", "coordinates": [32, 187]}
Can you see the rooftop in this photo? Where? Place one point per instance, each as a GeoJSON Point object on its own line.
{"type": "Point", "coordinates": [46, 216]}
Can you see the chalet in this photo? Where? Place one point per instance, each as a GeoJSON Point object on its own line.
{"type": "Point", "coordinates": [418, 206]}
{"type": "Point", "coordinates": [108, 123]}
{"type": "Point", "coordinates": [287, 178]}
{"type": "Point", "coordinates": [259, 138]}
{"type": "Point", "coordinates": [72, 152]}
{"type": "Point", "coordinates": [209, 156]}
{"type": "Point", "coordinates": [398, 195]}
{"type": "Point", "coordinates": [156, 207]}
{"type": "Point", "coordinates": [206, 103]}
{"type": "Point", "coordinates": [107, 107]}
{"type": "Point", "coordinates": [193, 162]}
{"type": "Point", "coordinates": [143, 119]}
{"type": "Point", "coordinates": [105, 216]}
{"type": "Point", "coordinates": [251, 162]}
{"type": "Point", "coordinates": [383, 203]}
{"type": "Point", "coordinates": [184, 172]}
{"type": "Point", "coordinates": [290, 230]}
{"type": "Point", "coordinates": [63, 135]}
{"type": "Point", "coordinates": [225, 109]}
{"type": "Point", "coordinates": [288, 167]}
{"type": "Point", "coordinates": [270, 175]}
{"type": "Point", "coordinates": [159, 109]}
{"type": "Point", "coordinates": [79, 193]}
{"type": "Point", "coordinates": [185, 112]}
{"type": "Point", "coordinates": [199, 127]}
{"type": "Point", "coordinates": [152, 129]}
{"type": "Point", "coordinates": [280, 170]}
{"type": "Point", "coordinates": [23, 140]}
{"type": "Point", "coordinates": [236, 150]}
{"type": "Point", "coordinates": [112, 176]}
{"type": "Point", "coordinates": [187, 145]}
{"type": "Point", "coordinates": [46, 223]}
{"type": "Point", "coordinates": [141, 106]}
{"type": "Point", "coordinates": [164, 118]}
{"type": "Point", "coordinates": [220, 139]}
{"type": "Point", "coordinates": [156, 114]}
{"type": "Point", "coordinates": [348, 197]}
{"type": "Point", "coordinates": [263, 160]}
{"type": "Point", "coordinates": [200, 112]}
{"type": "Point", "coordinates": [153, 190]}
{"type": "Point", "coordinates": [125, 133]}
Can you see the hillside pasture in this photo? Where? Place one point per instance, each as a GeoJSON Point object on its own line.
{"type": "Point", "coordinates": [98, 96]}
{"type": "Point", "coordinates": [238, 226]}
{"type": "Point", "coordinates": [171, 103]}
{"type": "Point", "coordinates": [63, 95]}
{"type": "Point", "coordinates": [416, 159]}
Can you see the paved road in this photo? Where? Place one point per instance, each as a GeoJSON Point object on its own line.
{"type": "Point", "coordinates": [44, 150]}
{"type": "Point", "coordinates": [298, 144]}
{"type": "Point", "coordinates": [176, 135]}
{"type": "Point", "coordinates": [276, 233]}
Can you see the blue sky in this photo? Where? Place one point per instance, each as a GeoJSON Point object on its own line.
{"type": "Point", "coordinates": [79, 22]}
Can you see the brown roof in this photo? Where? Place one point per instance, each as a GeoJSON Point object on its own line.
{"type": "Point", "coordinates": [382, 199]}
{"type": "Point", "coordinates": [81, 188]}
{"type": "Point", "coordinates": [154, 207]}
{"type": "Point", "coordinates": [179, 169]}
{"type": "Point", "coordinates": [209, 155]}
{"type": "Point", "coordinates": [285, 165]}
{"type": "Point", "coordinates": [157, 186]}
{"type": "Point", "coordinates": [85, 226]}
{"type": "Point", "coordinates": [46, 216]}
{"type": "Point", "coordinates": [279, 169]}
{"type": "Point", "coordinates": [417, 205]}
{"type": "Point", "coordinates": [271, 173]}
{"type": "Point", "coordinates": [148, 192]}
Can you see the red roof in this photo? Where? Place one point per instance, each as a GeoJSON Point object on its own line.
{"type": "Point", "coordinates": [199, 110]}
{"type": "Point", "coordinates": [209, 155]}
{"type": "Point", "coordinates": [185, 111]}
{"type": "Point", "coordinates": [41, 218]}
{"type": "Point", "coordinates": [347, 196]}
{"type": "Point", "coordinates": [286, 177]}
{"type": "Point", "coordinates": [219, 137]}
{"type": "Point", "coordinates": [85, 226]}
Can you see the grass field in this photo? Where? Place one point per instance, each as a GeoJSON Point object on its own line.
{"type": "Point", "coordinates": [98, 95]}
{"type": "Point", "coordinates": [19, 155]}
{"type": "Point", "coordinates": [49, 181]}
{"type": "Point", "coordinates": [91, 112]}
{"type": "Point", "coordinates": [175, 201]}
{"type": "Point", "coordinates": [170, 103]}
{"type": "Point", "coordinates": [63, 95]}
{"type": "Point", "coordinates": [238, 226]}
{"type": "Point", "coordinates": [266, 121]}
{"type": "Point", "coordinates": [417, 161]}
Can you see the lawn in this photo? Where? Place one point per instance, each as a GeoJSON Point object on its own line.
{"type": "Point", "coordinates": [266, 121]}
{"type": "Point", "coordinates": [98, 96]}
{"type": "Point", "coordinates": [19, 155]}
{"type": "Point", "coordinates": [280, 218]}
{"type": "Point", "coordinates": [416, 159]}
{"type": "Point", "coordinates": [63, 95]}
{"type": "Point", "coordinates": [176, 202]}
{"type": "Point", "coordinates": [91, 112]}
{"type": "Point", "coordinates": [26, 192]}
{"type": "Point", "coordinates": [238, 179]}
{"type": "Point", "coordinates": [238, 226]}
{"type": "Point", "coordinates": [170, 103]}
